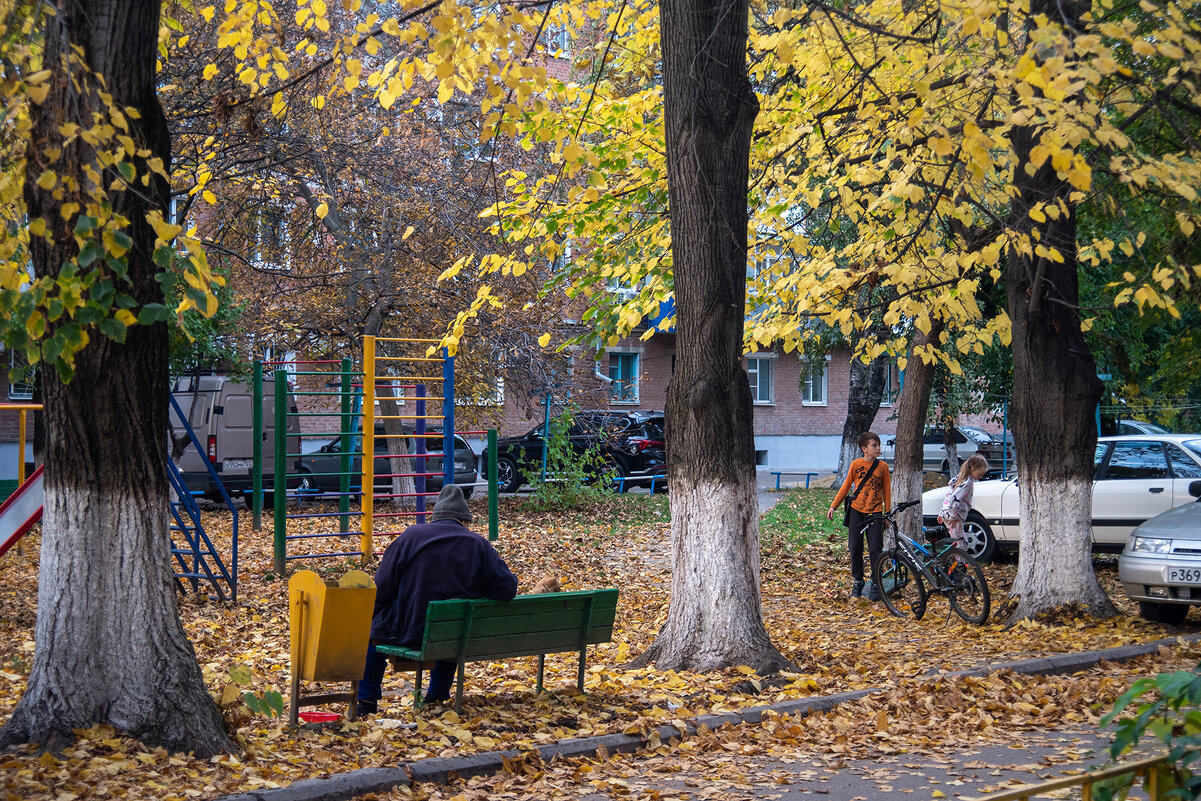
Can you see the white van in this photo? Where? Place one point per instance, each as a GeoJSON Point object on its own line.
{"type": "Point", "coordinates": [221, 412]}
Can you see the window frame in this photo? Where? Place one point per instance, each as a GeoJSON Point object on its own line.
{"type": "Point", "coordinates": [624, 391]}
{"type": "Point", "coordinates": [761, 361]}
{"type": "Point", "coordinates": [809, 370]}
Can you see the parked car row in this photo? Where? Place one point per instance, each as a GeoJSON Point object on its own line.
{"type": "Point", "coordinates": [1135, 478]}
{"type": "Point", "coordinates": [321, 471]}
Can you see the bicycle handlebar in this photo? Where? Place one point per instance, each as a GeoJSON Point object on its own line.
{"type": "Point", "coordinates": [900, 507]}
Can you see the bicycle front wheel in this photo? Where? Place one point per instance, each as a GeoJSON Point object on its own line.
{"type": "Point", "coordinates": [968, 591]}
{"type": "Point", "coordinates": [901, 585]}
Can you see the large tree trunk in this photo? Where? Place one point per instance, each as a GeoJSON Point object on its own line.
{"type": "Point", "coordinates": [714, 619]}
{"type": "Point", "coordinates": [863, 403]}
{"type": "Point", "coordinates": [109, 644]}
{"type": "Point", "coordinates": [1055, 388]}
{"type": "Point", "coordinates": [911, 425]}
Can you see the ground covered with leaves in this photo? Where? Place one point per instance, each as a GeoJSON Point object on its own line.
{"type": "Point", "coordinates": [836, 644]}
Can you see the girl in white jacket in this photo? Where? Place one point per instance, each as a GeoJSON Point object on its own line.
{"type": "Point", "coordinates": [958, 501]}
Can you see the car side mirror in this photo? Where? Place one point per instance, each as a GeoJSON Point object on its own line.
{"type": "Point", "coordinates": [1194, 489]}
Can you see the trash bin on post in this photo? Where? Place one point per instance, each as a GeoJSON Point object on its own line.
{"type": "Point", "coordinates": [330, 627]}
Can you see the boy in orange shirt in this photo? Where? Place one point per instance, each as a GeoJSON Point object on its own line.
{"type": "Point", "coordinates": [872, 495]}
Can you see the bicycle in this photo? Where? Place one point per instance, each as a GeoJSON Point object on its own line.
{"type": "Point", "coordinates": [905, 570]}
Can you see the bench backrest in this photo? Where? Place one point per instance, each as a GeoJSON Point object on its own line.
{"type": "Point", "coordinates": [548, 623]}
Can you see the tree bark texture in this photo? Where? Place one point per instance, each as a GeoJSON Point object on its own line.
{"type": "Point", "coordinates": [1056, 389]}
{"type": "Point", "coordinates": [911, 426]}
{"type": "Point", "coordinates": [863, 403]}
{"type": "Point", "coordinates": [714, 619]}
{"type": "Point", "coordinates": [109, 644]}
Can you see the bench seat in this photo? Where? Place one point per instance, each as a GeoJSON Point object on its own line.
{"type": "Point", "coordinates": [476, 630]}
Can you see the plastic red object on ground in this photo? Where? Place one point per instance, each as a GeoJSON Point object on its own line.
{"type": "Point", "coordinates": [319, 717]}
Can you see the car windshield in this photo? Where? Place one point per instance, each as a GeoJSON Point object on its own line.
{"type": "Point", "coordinates": [1193, 445]}
{"type": "Point", "coordinates": [978, 434]}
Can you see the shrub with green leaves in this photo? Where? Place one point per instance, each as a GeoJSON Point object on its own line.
{"type": "Point", "coordinates": [572, 477]}
{"type": "Point", "coordinates": [1169, 709]}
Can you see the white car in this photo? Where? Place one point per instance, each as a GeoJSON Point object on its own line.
{"type": "Point", "coordinates": [1135, 478]}
{"type": "Point", "coordinates": [968, 440]}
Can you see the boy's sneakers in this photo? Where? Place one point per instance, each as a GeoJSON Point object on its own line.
{"type": "Point", "coordinates": [857, 589]}
{"type": "Point", "coordinates": [873, 592]}
{"type": "Point", "coordinates": [366, 707]}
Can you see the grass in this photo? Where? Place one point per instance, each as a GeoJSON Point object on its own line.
{"type": "Point", "coordinates": [798, 520]}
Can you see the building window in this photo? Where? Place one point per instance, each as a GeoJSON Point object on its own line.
{"type": "Point", "coordinates": [623, 369]}
{"type": "Point", "coordinates": [758, 373]}
{"type": "Point", "coordinates": [813, 386]}
{"type": "Point", "coordinates": [762, 263]}
{"type": "Point", "coordinates": [558, 41]}
{"type": "Point", "coordinates": [483, 394]}
{"type": "Point", "coordinates": [22, 389]}
{"type": "Point", "coordinates": [892, 385]}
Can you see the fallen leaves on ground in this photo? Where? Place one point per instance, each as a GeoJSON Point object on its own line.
{"type": "Point", "coordinates": [836, 644]}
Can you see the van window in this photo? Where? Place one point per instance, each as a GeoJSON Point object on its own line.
{"type": "Point", "coordinates": [239, 412]}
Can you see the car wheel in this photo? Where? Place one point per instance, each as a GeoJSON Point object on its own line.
{"type": "Point", "coordinates": [1172, 614]}
{"type": "Point", "coordinates": [981, 543]}
{"type": "Point", "coordinates": [467, 492]}
{"type": "Point", "coordinates": [508, 479]}
{"type": "Point", "coordinates": [946, 468]}
{"type": "Point", "coordinates": [306, 485]}
{"type": "Point", "coordinates": [613, 471]}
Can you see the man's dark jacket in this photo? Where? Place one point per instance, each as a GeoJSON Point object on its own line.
{"type": "Point", "coordinates": [433, 562]}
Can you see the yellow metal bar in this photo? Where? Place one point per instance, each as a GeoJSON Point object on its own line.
{"type": "Point", "coordinates": [399, 339]}
{"type": "Point", "coordinates": [368, 430]}
{"type": "Point", "coordinates": [1141, 767]}
{"type": "Point", "coordinates": [21, 449]}
{"type": "Point", "coordinates": [14, 407]}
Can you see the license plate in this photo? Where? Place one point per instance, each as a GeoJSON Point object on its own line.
{"type": "Point", "coordinates": [1184, 575]}
{"type": "Point", "coordinates": [460, 465]}
{"type": "Point", "coordinates": [237, 464]}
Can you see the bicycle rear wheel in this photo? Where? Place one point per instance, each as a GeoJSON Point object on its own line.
{"type": "Point", "coordinates": [901, 584]}
{"type": "Point", "coordinates": [968, 591]}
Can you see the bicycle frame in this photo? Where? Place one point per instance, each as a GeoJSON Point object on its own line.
{"type": "Point", "coordinates": [923, 558]}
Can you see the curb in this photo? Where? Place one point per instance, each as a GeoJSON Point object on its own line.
{"type": "Point", "coordinates": [345, 786]}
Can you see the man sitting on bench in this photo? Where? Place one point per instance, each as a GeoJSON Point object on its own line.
{"type": "Point", "coordinates": [434, 561]}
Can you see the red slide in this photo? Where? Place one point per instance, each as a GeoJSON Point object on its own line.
{"type": "Point", "coordinates": [22, 509]}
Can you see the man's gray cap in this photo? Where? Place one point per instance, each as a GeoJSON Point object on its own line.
{"type": "Point", "coordinates": [451, 505]}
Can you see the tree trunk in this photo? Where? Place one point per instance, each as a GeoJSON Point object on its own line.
{"type": "Point", "coordinates": [911, 426]}
{"type": "Point", "coordinates": [714, 619]}
{"type": "Point", "coordinates": [109, 644]}
{"type": "Point", "coordinates": [1055, 388]}
{"type": "Point", "coordinates": [863, 403]}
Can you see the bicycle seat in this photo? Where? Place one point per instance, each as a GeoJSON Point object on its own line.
{"type": "Point", "coordinates": [935, 533]}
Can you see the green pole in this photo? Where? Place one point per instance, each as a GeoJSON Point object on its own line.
{"type": "Point", "coordinates": [545, 433]}
{"type": "Point", "coordinates": [493, 491]}
{"type": "Point", "coordinates": [347, 429]}
{"type": "Point", "coordinates": [280, 488]}
{"type": "Point", "coordinates": [256, 487]}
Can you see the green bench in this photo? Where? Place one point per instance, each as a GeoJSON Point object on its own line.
{"type": "Point", "coordinates": [477, 630]}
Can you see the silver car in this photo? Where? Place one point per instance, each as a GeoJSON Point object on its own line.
{"type": "Point", "coordinates": [1160, 567]}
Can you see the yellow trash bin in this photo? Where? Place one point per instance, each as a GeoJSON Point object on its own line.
{"type": "Point", "coordinates": [330, 628]}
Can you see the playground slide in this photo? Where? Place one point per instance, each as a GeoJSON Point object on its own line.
{"type": "Point", "coordinates": [22, 509]}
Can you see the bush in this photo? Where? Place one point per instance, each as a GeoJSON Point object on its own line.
{"type": "Point", "coordinates": [1174, 717]}
{"type": "Point", "coordinates": [572, 478]}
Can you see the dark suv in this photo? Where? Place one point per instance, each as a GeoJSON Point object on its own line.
{"type": "Point", "coordinates": [630, 443]}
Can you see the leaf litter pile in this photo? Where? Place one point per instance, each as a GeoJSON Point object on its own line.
{"type": "Point", "coordinates": [836, 644]}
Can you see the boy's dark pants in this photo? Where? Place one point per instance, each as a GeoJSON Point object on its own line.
{"type": "Point", "coordinates": [875, 544]}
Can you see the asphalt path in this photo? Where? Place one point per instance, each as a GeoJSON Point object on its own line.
{"type": "Point", "coordinates": [954, 773]}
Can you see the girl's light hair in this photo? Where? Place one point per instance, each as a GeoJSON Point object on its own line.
{"type": "Point", "coordinates": [972, 463]}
